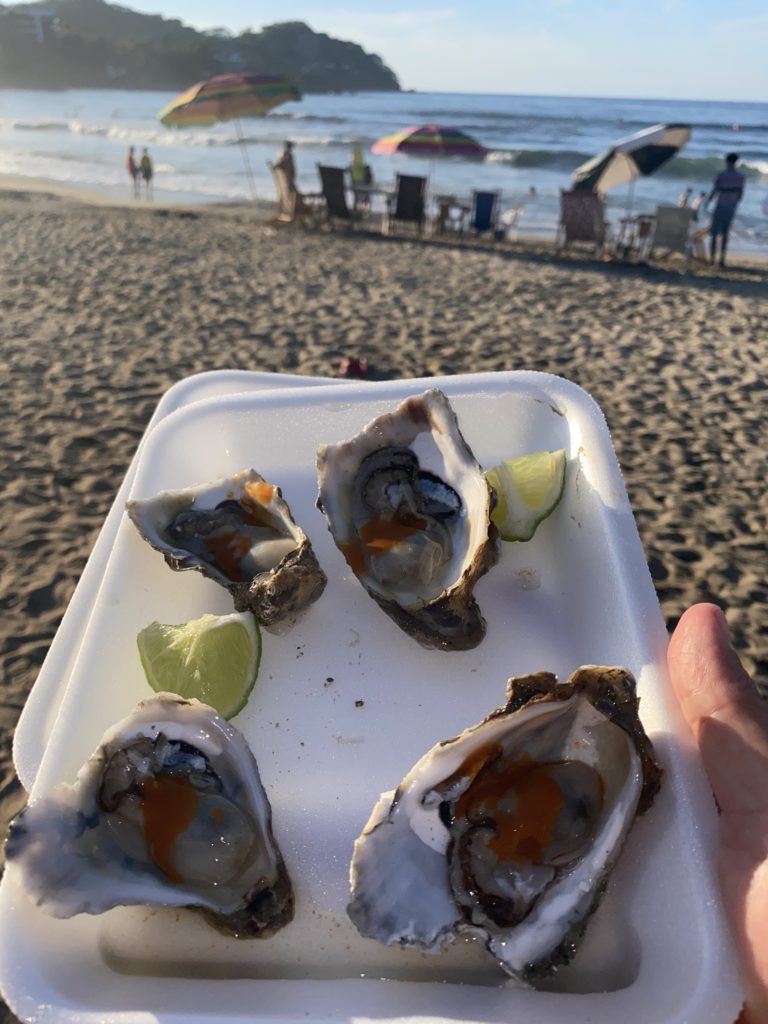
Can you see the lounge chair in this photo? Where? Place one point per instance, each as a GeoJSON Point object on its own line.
{"type": "Point", "coordinates": [484, 213]}
{"type": "Point", "coordinates": [673, 229]}
{"type": "Point", "coordinates": [292, 206]}
{"type": "Point", "coordinates": [582, 219]}
{"type": "Point", "coordinates": [335, 194]}
{"type": "Point", "coordinates": [407, 203]}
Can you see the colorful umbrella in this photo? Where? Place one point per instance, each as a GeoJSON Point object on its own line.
{"type": "Point", "coordinates": [639, 154]}
{"type": "Point", "coordinates": [228, 98]}
{"type": "Point", "coordinates": [430, 140]}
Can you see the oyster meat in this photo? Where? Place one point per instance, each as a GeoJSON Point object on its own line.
{"type": "Point", "coordinates": [409, 508]}
{"type": "Point", "coordinates": [510, 830]}
{"type": "Point", "coordinates": [238, 531]}
{"type": "Point", "coordinates": [169, 811]}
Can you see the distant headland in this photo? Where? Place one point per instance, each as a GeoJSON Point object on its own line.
{"type": "Point", "coordinates": [91, 44]}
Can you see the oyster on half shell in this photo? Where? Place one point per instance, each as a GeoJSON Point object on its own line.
{"type": "Point", "coordinates": [510, 830]}
{"type": "Point", "coordinates": [238, 531]}
{"type": "Point", "coordinates": [168, 811]}
{"type": "Point", "coordinates": [408, 506]}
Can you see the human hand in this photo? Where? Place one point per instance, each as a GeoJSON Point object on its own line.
{"type": "Point", "coordinates": [730, 723]}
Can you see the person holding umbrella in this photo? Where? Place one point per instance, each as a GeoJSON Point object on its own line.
{"type": "Point", "coordinates": [729, 188]}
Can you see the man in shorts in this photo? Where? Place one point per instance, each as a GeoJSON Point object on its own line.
{"type": "Point", "coordinates": [729, 188]}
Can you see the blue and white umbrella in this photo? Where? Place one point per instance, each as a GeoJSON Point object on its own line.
{"type": "Point", "coordinates": [638, 155]}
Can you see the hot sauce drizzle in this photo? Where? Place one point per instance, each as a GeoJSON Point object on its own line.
{"type": "Point", "coordinates": [227, 551]}
{"type": "Point", "coordinates": [168, 806]}
{"type": "Point", "coordinates": [380, 535]}
{"type": "Point", "coordinates": [260, 491]}
{"type": "Point", "coordinates": [524, 832]}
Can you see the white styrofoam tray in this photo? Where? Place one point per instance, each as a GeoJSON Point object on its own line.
{"type": "Point", "coordinates": [39, 713]}
{"type": "Point", "coordinates": [657, 950]}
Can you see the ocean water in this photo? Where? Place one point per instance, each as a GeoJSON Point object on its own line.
{"type": "Point", "coordinates": [80, 137]}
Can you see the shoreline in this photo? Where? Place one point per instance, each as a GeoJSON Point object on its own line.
{"type": "Point", "coordinates": [262, 210]}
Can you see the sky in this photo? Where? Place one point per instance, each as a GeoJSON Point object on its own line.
{"type": "Point", "coordinates": [654, 49]}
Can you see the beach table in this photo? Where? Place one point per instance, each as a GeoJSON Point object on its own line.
{"type": "Point", "coordinates": [363, 196]}
{"type": "Point", "coordinates": [451, 211]}
{"type": "Point", "coordinates": [634, 235]}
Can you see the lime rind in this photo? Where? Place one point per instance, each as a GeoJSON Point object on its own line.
{"type": "Point", "coordinates": [214, 658]}
{"type": "Point", "coordinates": [528, 489]}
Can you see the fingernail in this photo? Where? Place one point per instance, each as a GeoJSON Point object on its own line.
{"type": "Point", "coordinates": [723, 629]}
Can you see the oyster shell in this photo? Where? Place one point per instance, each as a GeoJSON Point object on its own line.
{"type": "Point", "coordinates": [409, 508]}
{"type": "Point", "coordinates": [510, 830]}
{"type": "Point", "coordinates": [238, 531]}
{"type": "Point", "coordinates": [169, 811]}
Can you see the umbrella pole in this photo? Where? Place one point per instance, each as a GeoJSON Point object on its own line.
{"type": "Point", "coordinates": [630, 197]}
{"type": "Point", "coordinates": [246, 158]}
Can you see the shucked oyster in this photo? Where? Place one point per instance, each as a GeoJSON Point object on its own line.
{"type": "Point", "coordinates": [168, 811]}
{"type": "Point", "coordinates": [239, 532]}
{"type": "Point", "coordinates": [409, 508]}
{"type": "Point", "coordinates": [509, 831]}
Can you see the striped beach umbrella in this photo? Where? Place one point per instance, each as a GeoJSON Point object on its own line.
{"type": "Point", "coordinates": [228, 98]}
{"type": "Point", "coordinates": [638, 155]}
{"type": "Point", "coordinates": [429, 141]}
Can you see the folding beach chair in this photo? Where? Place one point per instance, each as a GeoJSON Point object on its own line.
{"type": "Point", "coordinates": [407, 203]}
{"type": "Point", "coordinates": [292, 206]}
{"type": "Point", "coordinates": [510, 220]}
{"type": "Point", "coordinates": [335, 195]}
{"type": "Point", "coordinates": [484, 213]}
{"type": "Point", "coordinates": [582, 219]}
{"type": "Point", "coordinates": [673, 231]}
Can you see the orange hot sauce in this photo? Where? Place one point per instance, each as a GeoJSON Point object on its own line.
{"type": "Point", "coordinates": [523, 834]}
{"type": "Point", "coordinates": [378, 536]}
{"type": "Point", "coordinates": [168, 806]}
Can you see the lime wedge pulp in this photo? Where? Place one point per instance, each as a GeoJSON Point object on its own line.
{"type": "Point", "coordinates": [528, 488]}
{"type": "Point", "coordinates": [214, 658]}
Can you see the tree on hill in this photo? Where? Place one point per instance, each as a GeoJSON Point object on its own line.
{"type": "Point", "coordinates": [94, 44]}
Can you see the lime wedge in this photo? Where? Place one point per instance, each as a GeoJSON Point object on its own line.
{"type": "Point", "coordinates": [528, 488]}
{"type": "Point", "coordinates": [215, 658]}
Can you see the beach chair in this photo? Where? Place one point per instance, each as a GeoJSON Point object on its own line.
{"type": "Point", "coordinates": [510, 220]}
{"type": "Point", "coordinates": [407, 203]}
{"type": "Point", "coordinates": [335, 195]}
{"type": "Point", "coordinates": [292, 206]}
{"type": "Point", "coordinates": [582, 219]}
{"type": "Point", "coordinates": [673, 229]}
{"type": "Point", "coordinates": [700, 236]}
{"type": "Point", "coordinates": [484, 212]}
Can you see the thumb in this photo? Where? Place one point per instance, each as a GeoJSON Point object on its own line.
{"type": "Point", "coordinates": [723, 709]}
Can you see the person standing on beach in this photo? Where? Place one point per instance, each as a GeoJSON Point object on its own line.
{"type": "Point", "coordinates": [729, 188]}
{"type": "Point", "coordinates": [133, 171]}
{"type": "Point", "coordinates": [147, 172]}
{"type": "Point", "coordinates": [286, 163]}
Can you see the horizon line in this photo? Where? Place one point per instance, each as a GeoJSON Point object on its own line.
{"type": "Point", "coordinates": [427, 92]}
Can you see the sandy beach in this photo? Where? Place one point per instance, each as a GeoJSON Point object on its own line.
{"type": "Point", "coordinates": [103, 307]}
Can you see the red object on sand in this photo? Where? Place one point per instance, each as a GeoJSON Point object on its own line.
{"type": "Point", "coordinates": [354, 366]}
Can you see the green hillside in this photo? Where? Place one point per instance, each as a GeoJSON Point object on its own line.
{"type": "Point", "coordinates": [93, 44]}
